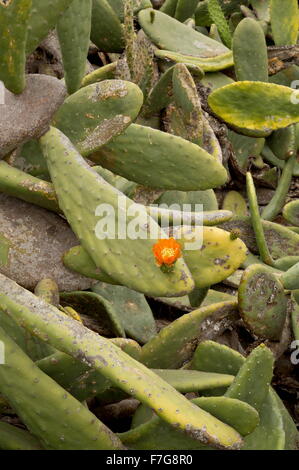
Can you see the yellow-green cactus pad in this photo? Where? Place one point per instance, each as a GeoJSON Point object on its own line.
{"type": "Point", "coordinates": [255, 108]}
{"type": "Point", "coordinates": [284, 22]}
{"type": "Point", "coordinates": [184, 43]}
{"type": "Point", "coordinates": [218, 257]}
{"type": "Point", "coordinates": [291, 212]}
{"type": "Point", "coordinates": [126, 259]}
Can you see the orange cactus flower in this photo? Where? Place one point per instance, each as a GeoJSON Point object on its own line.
{"type": "Point", "coordinates": [167, 251]}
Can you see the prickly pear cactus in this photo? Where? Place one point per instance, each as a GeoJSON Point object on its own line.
{"type": "Point", "coordinates": [149, 236]}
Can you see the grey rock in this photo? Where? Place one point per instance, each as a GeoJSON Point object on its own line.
{"type": "Point", "coordinates": [27, 116]}
{"type": "Point", "coordinates": [32, 242]}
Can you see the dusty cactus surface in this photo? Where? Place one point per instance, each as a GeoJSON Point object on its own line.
{"type": "Point", "coordinates": [149, 225]}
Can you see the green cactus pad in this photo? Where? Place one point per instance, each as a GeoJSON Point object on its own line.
{"type": "Point", "coordinates": [106, 72]}
{"type": "Point", "coordinates": [148, 434]}
{"type": "Point", "coordinates": [283, 142]}
{"type": "Point", "coordinates": [262, 302]}
{"type": "Point", "coordinates": [218, 18]}
{"type": "Point", "coordinates": [207, 198]}
{"type": "Point", "coordinates": [215, 80]}
{"type": "Point", "coordinates": [77, 259]}
{"type": "Point", "coordinates": [77, 378]}
{"type": "Point", "coordinates": [290, 429]}
{"type": "Point", "coordinates": [102, 110]}
{"type": "Point", "coordinates": [280, 240]}
{"type": "Point", "coordinates": [218, 256]}
{"type": "Point", "coordinates": [243, 417]}
{"type": "Point", "coordinates": [161, 94]}
{"type": "Point", "coordinates": [131, 376]}
{"type": "Point", "coordinates": [210, 356]}
{"type": "Point", "coordinates": [14, 17]}
{"type": "Point", "coordinates": [38, 400]}
{"type": "Point", "coordinates": [194, 381]}
{"type": "Point", "coordinates": [131, 261]}
{"type": "Point", "coordinates": [94, 305]}
{"type": "Point", "coordinates": [47, 289]}
{"type": "Point", "coordinates": [290, 279]}
{"type": "Point", "coordinates": [253, 380]}
{"type": "Point", "coordinates": [269, 156]}
{"type": "Point", "coordinates": [244, 148]}
{"type": "Point", "coordinates": [44, 16]}
{"type": "Point", "coordinates": [250, 51]}
{"type": "Point", "coordinates": [269, 435]}
{"type": "Point", "coordinates": [284, 22]}
{"type": "Point", "coordinates": [219, 358]}
{"type": "Point", "coordinates": [168, 33]}
{"type": "Point", "coordinates": [185, 9]}
{"type": "Point", "coordinates": [152, 158]}
{"type": "Point", "coordinates": [291, 212]}
{"type": "Point", "coordinates": [238, 414]}
{"type": "Point", "coordinates": [106, 28]}
{"type": "Point", "coordinates": [31, 346]}
{"type": "Point", "coordinates": [152, 435]}
{"type": "Point", "coordinates": [235, 202]}
{"type": "Point", "coordinates": [277, 202]}
{"type": "Point", "coordinates": [73, 30]}
{"type": "Point", "coordinates": [207, 64]}
{"type": "Point", "coordinates": [132, 309]}
{"type": "Point", "coordinates": [255, 108]}
{"type": "Point", "coordinates": [187, 105]}
{"type": "Point", "coordinates": [175, 343]}
{"type": "Point", "coordinates": [30, 159]}
{"type": "Point", "coordinates": [13, 438]}
{"type": "Point", "coordinates": [118, 6]}
{"type": "Point", "coordinates": [19, 184]}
